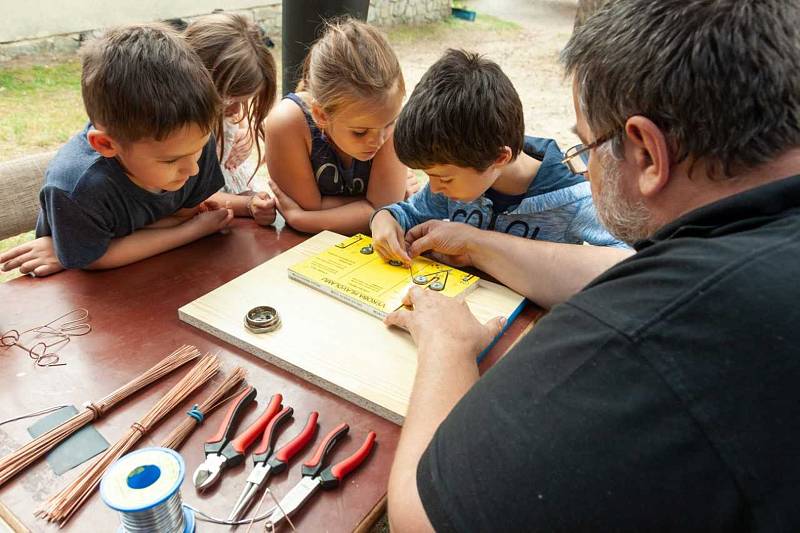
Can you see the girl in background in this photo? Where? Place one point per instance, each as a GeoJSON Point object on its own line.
{"type": "Point", "coordinates": [232, 49]}
{"type": "Point", "coordinates": [329, 151]}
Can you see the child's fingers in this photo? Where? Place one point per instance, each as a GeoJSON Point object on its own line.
{"type": "Point", "coordinates": [8, 255]}
{"type": "Point", "coordinates": [45, 270]}
{"type": "Point", "coordinates": [18, 261]}
{"type": "Point", "coordinates": [399, 253]}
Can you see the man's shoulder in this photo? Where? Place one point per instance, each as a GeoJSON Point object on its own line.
{"type": "Point", "coordinates": [681, 279]}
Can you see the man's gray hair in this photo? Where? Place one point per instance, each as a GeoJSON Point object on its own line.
{"type": "Point", "coordinates": [720, 78]}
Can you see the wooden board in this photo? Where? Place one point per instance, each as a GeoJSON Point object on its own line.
{"type": "Point", "coordinates": [323, 340]}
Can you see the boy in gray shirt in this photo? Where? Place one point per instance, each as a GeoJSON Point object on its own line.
{"type": "Point", "coordinates": [133, 182]}
{"type": "Point", "coordinates": [463, 125]}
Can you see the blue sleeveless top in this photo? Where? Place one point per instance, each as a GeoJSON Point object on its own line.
{"type": "Point", "coordinates": [332, 178]}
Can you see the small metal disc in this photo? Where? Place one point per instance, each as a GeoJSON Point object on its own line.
{"type": "Point", "coordinates": [395, 263]}
{"type": "Point", "coordinates": [436, 286]}
{"type": "Point", "coordinates": [262, 319]}
{"type": "Point", "coordinates": [367, 250]}
{"type": "Point", "coordinates": [420, 280]}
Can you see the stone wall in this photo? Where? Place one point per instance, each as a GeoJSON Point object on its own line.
{"type": "Point", "coordinates": [266, 12]}
{"type": "Point", "coordinates": [393, 12]}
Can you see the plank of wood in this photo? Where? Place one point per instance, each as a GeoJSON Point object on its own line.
{"type": "Point", "coordinates": [9, 522]}
{"type": "Point", "coordinates": [323, 340]}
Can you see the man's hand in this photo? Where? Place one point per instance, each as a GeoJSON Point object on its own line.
{"type": "Point", "coordinates": [37, 257]}
{"type": "Point", "coordinates": [387, 238]}
{"type": "Point", "coordinates": [449, 241]}
{"type": "Point", "coordinates": [442, 326]}
{"type": "Point", "coordinates": [242, 146]}
{"type": "Point", "coordinates": [262, 208]}
{"type": "Point", "coordinates": [212, 220]}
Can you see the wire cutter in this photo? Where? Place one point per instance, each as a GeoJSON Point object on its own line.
{"type": "Point", "coordinates": [221, 451]}
{"type": "Point", "coordinates": [314, 477]}
{"type": "Point", "coordinates": [267, 463]}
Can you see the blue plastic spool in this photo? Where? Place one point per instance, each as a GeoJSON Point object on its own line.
{"type": "Point", "coordinates": [144, 479]}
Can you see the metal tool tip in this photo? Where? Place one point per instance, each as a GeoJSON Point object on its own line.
{"type": "Point", "coordinates": [200, 477]}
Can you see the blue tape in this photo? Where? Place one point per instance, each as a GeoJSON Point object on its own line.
{"type": "Point", "coordinates": [196, 413]}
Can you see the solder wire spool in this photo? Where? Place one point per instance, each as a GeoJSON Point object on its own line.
{"type": "Point", "coordinates": [143, 487]}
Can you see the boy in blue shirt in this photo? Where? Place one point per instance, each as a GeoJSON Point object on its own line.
{"type": "Point", "coordinates": [133, 183]}
{"type": "Point", "coordinates": [463, 125]}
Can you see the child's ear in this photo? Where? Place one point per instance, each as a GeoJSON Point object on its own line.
{"type": "Point", "coordinates": [102, 143]}
{"type": "Point", "coordinates": [504, 157]}
{"type": "Point", "coordinates": [320, 117]}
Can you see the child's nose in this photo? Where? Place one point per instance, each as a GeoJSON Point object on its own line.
{"type": "Point", "coordinates": [190, 168]}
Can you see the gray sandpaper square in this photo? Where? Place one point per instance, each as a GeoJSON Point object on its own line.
{"type": "Point", "coordinates": [76, 449]}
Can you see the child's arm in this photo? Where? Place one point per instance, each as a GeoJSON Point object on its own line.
{"type": "Point", "coordinates": [145, 243]}
{"type": "Point", "coordinates": [258, 206]}
{"type": "Point", "coordinates": [242, 146]}
{"type": "Point", "coordinates": [296, 192]}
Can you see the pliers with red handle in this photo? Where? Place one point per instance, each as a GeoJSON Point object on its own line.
{"type": "Point", "coordinates": [267, 463]}
{"type": "Point", "coordinates": [221, 451]}
{"type": "Point", "coordinates": [316, 477]}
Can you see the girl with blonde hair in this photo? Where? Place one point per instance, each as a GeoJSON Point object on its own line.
{"type": "Point", "coordinates": [329, 152]}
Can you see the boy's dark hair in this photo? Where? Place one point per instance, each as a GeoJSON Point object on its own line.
{"type": "Point", "coordinates": [145, 82]}
{"type": "Point", "coordinates": [463, 112]}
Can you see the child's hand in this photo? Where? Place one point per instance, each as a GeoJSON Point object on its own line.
{"type": "Point", "coordinates": [288, 207]}
{"type": "Point", "coordinates": [412, 184]}
{"type": "Point", "coordinates": [262, 209]}
{"type": "Point", "coordinates": [37, 257]}
{"type": "Point", "coordinates": [388, 239]}
{"type": "Point", "coordinates": [242, 146]}
{"type": "Point", "coordinates": [212, 220]}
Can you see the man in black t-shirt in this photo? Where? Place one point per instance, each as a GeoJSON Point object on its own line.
{"type": "Point", "coordinates": [662, 395]}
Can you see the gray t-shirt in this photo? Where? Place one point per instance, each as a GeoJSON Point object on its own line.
{"type": "Point", "coordinates": [87, 200]}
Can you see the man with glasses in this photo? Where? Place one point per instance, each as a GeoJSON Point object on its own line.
{"type": "Point", "coordinates": [661, 396]}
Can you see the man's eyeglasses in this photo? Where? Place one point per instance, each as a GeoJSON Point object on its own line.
{"type": "Point", "coordinates": [577, 157]}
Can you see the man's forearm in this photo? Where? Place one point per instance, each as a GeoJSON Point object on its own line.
{"type": "Point", "coordinates": [441, 381]}
{"type": "Point", "coordinates": [547, 273]}
{"type": "Point", "coordinates": [145, 243]}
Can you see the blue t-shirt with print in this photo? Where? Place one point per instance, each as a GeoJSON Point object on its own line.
{"type": "Point", "coordinates": [87, 200]}
{"type": "Point", "coordinates": [556, 207]}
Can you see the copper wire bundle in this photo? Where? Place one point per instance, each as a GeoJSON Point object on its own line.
{"type": "Point", "coordinates": [217, 398]}
{"type": "Point", "coordinates": [16, 461]}
{"type": "Point", "coordinates": [60, 507]}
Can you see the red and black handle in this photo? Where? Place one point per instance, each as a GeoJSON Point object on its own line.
{"type": "Point", "coordinates": [313, 466]}
{"type": "Point", "coordinates": [333, 475]}
{"type": "Point", "coordinates": [264, 450]}
{"type": "Point", "coordinates": [278, 462]}
{"type": "Point", "coordinates": [234, 450]}
{"type": "Point", "coordinates": [232, 416]}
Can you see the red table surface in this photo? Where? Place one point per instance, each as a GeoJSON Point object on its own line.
{"type": "Point", "coordinates": [135, 323]}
